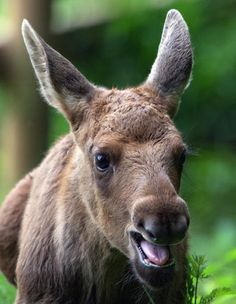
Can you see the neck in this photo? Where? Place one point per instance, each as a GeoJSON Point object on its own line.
{"type": "Point", "coordinates": [107, 274]}
{"type": "Point", "coordinates": [93, 271]}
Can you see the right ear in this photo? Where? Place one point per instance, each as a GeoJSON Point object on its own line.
{"type": "Point", "coordinates": [172, 68]}
{"type": "Point", "coordinates": [62, 85]}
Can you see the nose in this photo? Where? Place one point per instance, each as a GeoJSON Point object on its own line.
{"type": "Point", "coordinates": [164, 229]}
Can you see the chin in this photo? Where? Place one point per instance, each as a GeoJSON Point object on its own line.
{"type": "Point", "coordinates": [154, 264]}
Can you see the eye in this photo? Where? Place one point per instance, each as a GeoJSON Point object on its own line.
{"type": "Point", "coordinates": [102, 161]}
{"type": "Point", "coordinates": [182, 157]}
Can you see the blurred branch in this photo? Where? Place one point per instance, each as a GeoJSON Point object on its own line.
{"type": "Point", "coordinates": [4, 46]}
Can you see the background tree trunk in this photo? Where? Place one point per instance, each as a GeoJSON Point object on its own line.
{"type": "Point", "coordinates": [25, 130]}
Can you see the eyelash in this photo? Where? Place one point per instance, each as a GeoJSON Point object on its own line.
{"type": "Point", "coordinates": [186, 152]}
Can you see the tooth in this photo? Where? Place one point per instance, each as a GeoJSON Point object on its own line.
{"type": "Point", "coordinates": [146, 261]}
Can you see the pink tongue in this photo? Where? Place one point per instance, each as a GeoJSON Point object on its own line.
{"type": "Point", "coordinates": [158, 255]}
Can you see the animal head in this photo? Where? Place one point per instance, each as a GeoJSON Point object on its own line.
{"type": "Point", "coordinates": [132, 153]}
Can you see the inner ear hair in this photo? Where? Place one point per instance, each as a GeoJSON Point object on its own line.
{"type": "Point", "coordinates": [172, 68]}
{"type": "Point", "coordinates": [62, 85]}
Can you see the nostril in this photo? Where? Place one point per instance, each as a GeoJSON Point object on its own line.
{"type": "Point", "coordinates": [150, 234]}
{"type": "Point", "coordinates": [140, 225]}
{"type": "Point", "coordinates": [147, 227]}
{"type": "Point", "coordinates": [182, 224]}
{"type": "Point", "coordinates": [152, 227]}
{"type": "Point", "coordinates": [169, 229]}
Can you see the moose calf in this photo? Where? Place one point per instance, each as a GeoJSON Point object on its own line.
{"type": "Point", "coordinates": [100, 219]}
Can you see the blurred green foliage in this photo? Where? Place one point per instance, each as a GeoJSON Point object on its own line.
{"type": "Point", "coordinates": [7, 292]}
{"type": "Point", "coordinates": [123, 54]}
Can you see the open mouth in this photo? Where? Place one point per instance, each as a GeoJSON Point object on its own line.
{"type": "Point", "coordinates": [153, 263]}
{"type": "Point", "coordinates": [152, 255]}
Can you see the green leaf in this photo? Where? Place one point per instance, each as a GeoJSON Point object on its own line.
{"type": "Point", "coordinates": [216, 293]}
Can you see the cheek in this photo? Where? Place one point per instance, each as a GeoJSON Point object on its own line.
{"type": "Point", "coordinates": [113, 215]}
{"type": "Point", "coordinates": [113, 218]}
{"type": "Point", "coordinates": [114, 196]}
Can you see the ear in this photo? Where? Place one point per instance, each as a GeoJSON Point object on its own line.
{"type": "Point", "coordinates": [62, 85]}
{"type": "Point", "coordinates": [171, 70]}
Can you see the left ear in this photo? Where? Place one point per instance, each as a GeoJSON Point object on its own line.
{"type": "Point", "coordinates": [171, 70]}
{"type": "Point", "coordinates": [62, 85]}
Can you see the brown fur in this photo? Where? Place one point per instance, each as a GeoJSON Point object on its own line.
{"type": "Point", "coordinates": [65, 229]}
{"type": "Point", "coordinates": [64, 216]}
{"type": "Point", "coordinates": [10, 218]}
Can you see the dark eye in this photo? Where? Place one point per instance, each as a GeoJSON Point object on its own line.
{"type": "Point", "coordinates": [182, 158]}
{"type": "Point", "coordinates": [102, 161]}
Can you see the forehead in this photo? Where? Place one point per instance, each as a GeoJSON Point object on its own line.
{"type": "Point", "coordinates": [134, 115]}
